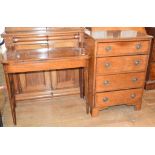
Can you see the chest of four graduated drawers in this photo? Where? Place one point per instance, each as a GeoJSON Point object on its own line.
{"type": "Point", "coordinates": [117, 70]}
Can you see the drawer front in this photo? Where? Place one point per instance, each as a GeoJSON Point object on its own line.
{"type": "Point", "coordinates": [152, 71]}
{"type": "Point", "coordinates": [153, 53]}
{"type": "Point", "coordinates": [120, 81]}
{"type": "Point", "coordinates": [132, 96]}
{"type": "Point", "coordinates": [123, 48]}
{"type": "Point", "coordinates": [123, 64]}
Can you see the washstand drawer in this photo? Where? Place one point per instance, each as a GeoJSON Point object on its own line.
{"type": "Point", "coordinates": [123, 64]}
{"type": "Point", "coordinates": [120, 81]}
{"type": "Point", "coordinates": [132, 96]}
{"type": "Point", "coordinates": [122, 48]}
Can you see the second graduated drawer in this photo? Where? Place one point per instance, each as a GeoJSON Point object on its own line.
{"type": "Point", "coordinates": [120, 81]}
{"type": "Point", "coordinates": [123, 64]}
{"type": "Point", "coordinates": [122, 48]}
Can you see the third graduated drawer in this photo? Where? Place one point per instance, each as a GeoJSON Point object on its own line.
{"type": "Point", "coordinates": [120, 81]}
{"type": "Point", "coordinates": [122, 64]}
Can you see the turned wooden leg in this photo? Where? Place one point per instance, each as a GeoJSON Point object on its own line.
{"type": "Point", "coordinates": [138, 107]}
{"type": "Point", "coordinates": [81, 82]}
{"type": "Point", "coordinates": [95, 112]}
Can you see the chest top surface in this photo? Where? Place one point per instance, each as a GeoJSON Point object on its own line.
{"type": "Point", "coordinates": [118, 33]}
{"type": "Point", "coordinates": [111, 35]}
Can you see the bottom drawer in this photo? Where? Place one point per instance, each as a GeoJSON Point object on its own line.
{"type": "Point", "coordinates": [132, 96]}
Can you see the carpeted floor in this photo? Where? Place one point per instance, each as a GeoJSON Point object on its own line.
{"type": "Point", "coordinates": [70, 111]}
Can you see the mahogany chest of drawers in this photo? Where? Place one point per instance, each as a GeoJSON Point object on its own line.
{"type": "Point", "coordinates": [150, 80]}
{"type": "Point", "coordinates": [117, 68]}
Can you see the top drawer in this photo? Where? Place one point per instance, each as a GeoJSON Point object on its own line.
{"type": "Point", "coordinates": [122, 48]}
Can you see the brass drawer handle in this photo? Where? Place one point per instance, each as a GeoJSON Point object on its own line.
{"type": "Point", "coordinates": [107, 65]}
{"type": "Point", "coordinates": [133, 95]}
{"type": "Point", "coordinates": [134, 79]}
{"type": "Point", "coordinates": [137, 62]}
{"type": "Point", "coordinates": [138, 46]}
{"type": "Point", "coordinates": [108, 48]}
{"type": "Point", "coordinates": [105, 99]}
{"type": "Point", "coordinates": [106, 82]}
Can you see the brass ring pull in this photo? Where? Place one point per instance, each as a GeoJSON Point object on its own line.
{"type": "Point", "coordinates": [108, 48]}
{"type": "Point", "coordinates": [106, 82]}
{"type": "Point", "coordinates": [138, 46]}
{"type": "Point", "coordinates": [107, 65]}
{"type": "Point", "coordinates": [133, 95]}
{"type": "Point", "coordinates": [105, 99]}
{"type": "Point", "coordinates": [134, 79]}
{"type": "Point", "coordinates": [137, 62]}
